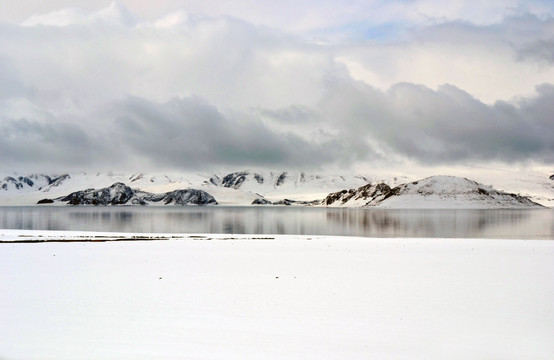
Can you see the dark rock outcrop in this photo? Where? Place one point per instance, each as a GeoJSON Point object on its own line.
{"type": "Point", "coordinates": [56, 181]}
{"type": "Point", "coordinates": [36, 181]}
{"type": "Point", "coordinates": [45, 201]}
{"type": "Point", "coordinates": [261, 201]}
{"type": "Point", "coordinates": [189, 196]}
{"type": "Point", "coordinates": [117, 194]}
{"type": "Point", "coordinates": [234, 180]}
{"type": "Point", "coordinates": [367, 193]}
{"type": "Point", "coordinates": [286, 202]}
{"type": "Point", "coordinates": [121, 194]}
{"type": "Point", "coordinates": [281, 179]}
{"type": "Point", "coordinates": [259, 178]}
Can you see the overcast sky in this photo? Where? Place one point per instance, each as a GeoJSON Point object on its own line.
{"type": "Point", "coordinates": [316, 84]}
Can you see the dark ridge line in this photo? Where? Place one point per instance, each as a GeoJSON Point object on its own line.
{"type": "Point", "coordinates": [37, 241]}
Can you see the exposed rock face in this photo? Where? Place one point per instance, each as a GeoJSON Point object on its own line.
{"type": "Point", "coordinates": [287, 202]}
{"type": "Point", "coordinates": [551, 177]}
{"type": "Point", "coordinates": [45, 201]}
{"type": "Point", "coordinates": [281, 179]}
{"type": "Point", "coordinates": [57, 181]}
{"type": "Point", "coordinates": [117, 194]}
{"type": "Point", "coordinates": [261, 201]}
{"type": "Point", "coordinates": [189, 196]}
{"type": "Point", "coordinates": [367, 193]}
{"type": "Point", "coordinates": [10, 181]}
{"type": "Point", "coordinates": [234, 180]}
{"type": "Point", "coordinates": [432, 192]}
{"type": "Point", "coordinates": [136, 177]}
{"type": "Point", "coordinates": [260, 179]}
{"type": "Point", "coordinates": [121, 194]}
{"type": "Point", "coordinates": [35, 181]}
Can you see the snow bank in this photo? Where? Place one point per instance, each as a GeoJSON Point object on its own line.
{"type": "Point", "coordinates": [281, 297]}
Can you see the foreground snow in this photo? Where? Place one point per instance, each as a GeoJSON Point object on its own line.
{"type": "Point", "coordinates": [280, 297]}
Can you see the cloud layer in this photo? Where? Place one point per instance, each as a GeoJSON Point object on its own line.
{"type": "Point", "coordinates": [109, 88]}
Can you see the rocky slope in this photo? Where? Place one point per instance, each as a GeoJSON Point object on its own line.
{"type": "Point", "coordinates": [34, 182]}
{"type": "Point", "coordinates": [286, 202]}
{"type": "Point", "coordinates": [121, 194]}
{"type": "Point", "coordinates": [443, 192]}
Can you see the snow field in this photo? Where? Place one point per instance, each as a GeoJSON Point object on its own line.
{"type": "Point", "coordinates": [286, 298]}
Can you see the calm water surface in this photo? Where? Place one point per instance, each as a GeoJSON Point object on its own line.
{"type": "Point", "coordinates": [509, 224]}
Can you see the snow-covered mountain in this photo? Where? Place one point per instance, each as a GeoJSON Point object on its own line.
{"type": "Point", "coordinates": [234, 188]}
{"type": "Point", "coordinates": [276, 186]}
{"type": "Point", "coordinates": [121, 194]}
{"type": "Point", "coordinates": [435, 192]}
{"type": "Point", "coordinates": [264, 187]}
{"type": "Point", "coordinates": [32, 182]}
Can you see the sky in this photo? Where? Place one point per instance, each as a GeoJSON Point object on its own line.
{"type": "Point", "coordinates": [316, 84]}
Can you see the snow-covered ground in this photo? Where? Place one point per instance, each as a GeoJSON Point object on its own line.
{"type": "Point", "coordinates": [280, 297]}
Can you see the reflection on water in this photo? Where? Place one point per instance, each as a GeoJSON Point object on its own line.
{"type": "Point", "coordinates": [523, 224]}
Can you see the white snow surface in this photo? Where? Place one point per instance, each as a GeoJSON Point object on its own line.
{"type": "Point", "coordinates": [282, 297]}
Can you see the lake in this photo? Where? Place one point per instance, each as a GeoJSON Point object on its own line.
{"type": "Point", "coordinates": [507, 224]}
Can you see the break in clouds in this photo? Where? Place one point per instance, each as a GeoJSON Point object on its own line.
{"type": "Point", "coordinates": [185, 91]}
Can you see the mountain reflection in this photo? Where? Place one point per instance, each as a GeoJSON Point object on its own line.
{"type": "Point", "coordinates": [524, 224]}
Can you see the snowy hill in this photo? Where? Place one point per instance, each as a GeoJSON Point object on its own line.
{"type": "Point", "coordinates": [435, 192]}
{"type": "Point", "coordinates": [121, 194]}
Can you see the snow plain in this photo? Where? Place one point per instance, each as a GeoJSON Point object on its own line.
{"type": "Point", "coordinates": [276, 297]}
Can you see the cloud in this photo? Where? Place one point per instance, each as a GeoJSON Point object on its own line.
{"type": "Point", "coordinates": [541, 51]}
{"type": "Point", "coordinates": [114, 14]}
{"type": "Point", "coordinates": [190, 133]}
{"type": "Point", "coordinates": [446, 126]}
{"type": "Point", "coordinates": [107, 88]}
{"type": "Point", "coordinates": [493, 62]}
{"type": "Point", "coordinates": [26, 142]}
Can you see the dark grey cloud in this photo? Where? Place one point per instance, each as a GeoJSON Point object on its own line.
{"type": "Point", "coordinates": [294, 114]}
{"type": "Point", "coordinates": [25, 143]}
{"type": "Point", "coordinates": [190, 133]}
{"type": "Point", "coordinates": [530, 37]}
{"type": "Point", "coordinates": [541, 51]}
{"type": "Point", "coordinates": [446, 126]}
{"type": "Point", "coordinates": [10, 83]}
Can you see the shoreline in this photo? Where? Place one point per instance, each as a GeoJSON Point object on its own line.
{"type": "Point", "coordinates": [19, 236]}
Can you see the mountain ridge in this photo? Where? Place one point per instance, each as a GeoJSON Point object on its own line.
{"type": "Point", "coordinates": [247, 187]}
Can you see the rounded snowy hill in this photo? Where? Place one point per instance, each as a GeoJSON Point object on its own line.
{"type": "Point", "coordinates": [448, 192]}
{"type": "Point", "coordinates": [435, 192]}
